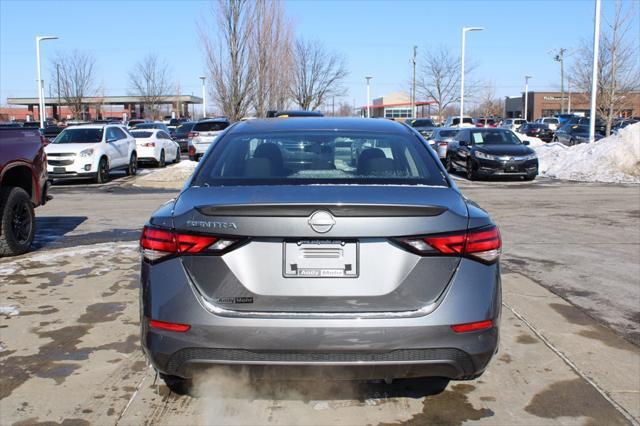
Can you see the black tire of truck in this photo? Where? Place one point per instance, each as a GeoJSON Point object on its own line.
{"type": "Point", "coordinates": [18, 225]}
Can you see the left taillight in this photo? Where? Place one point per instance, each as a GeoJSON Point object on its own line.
{"type": "Point", "coordinates": [157, 243]}
{"type": "Point", "coordinates": [483, 244]}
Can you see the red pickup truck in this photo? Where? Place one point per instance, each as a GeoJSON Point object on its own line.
{"type": "Point", "coordinates": [23, 186]}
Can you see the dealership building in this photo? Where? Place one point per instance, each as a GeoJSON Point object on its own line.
{"type": "Point", "coordinates": [397, 106]}
{"type": "Point", "coordinates": [546, 104]}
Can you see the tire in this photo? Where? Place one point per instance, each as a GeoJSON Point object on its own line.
{"type": "Point", "coordinates": [132, 170]}
{"type": "Point", "coordinates": [103, 171]}
{"type": "Point", "coordinates": [555, 139]}
{"type": "Point", "coordinates": [471, 174]}
{"type": "Point", "coordinates": [449, 164]}
{"type": "Point", "coordinates": [572, 142]}
{"type": "Point", "coordinates": [18, 221]}
{"type": "Point", "coordinates": [177, 385]}
{"type": "Point", "coordinates": [177, 156]}
{"type": "Point", "coordinates": [530, 177]}
{"type": "Point", "coordinates": [162, 162]}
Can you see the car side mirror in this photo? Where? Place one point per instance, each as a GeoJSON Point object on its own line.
{"type": "Point", "coordinates": [525, 142]}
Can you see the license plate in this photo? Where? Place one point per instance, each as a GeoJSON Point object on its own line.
{"type": "Point", "coordinates": [320, 259]}
{"type": "Point", "coordinates": [510, 168]}
{"type": "Point", "coordinates": [59, 170]}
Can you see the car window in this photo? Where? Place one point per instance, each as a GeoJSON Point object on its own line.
{"type": "Point", "coordinates": [119, 133]}
{"type": "Point", "coordinates": [422, 123]}
{"type": "Point", "coordinates": [494, 137]}
{"type": "Point", "coordinates": [447, 133]}
{"type": "Point", "coordinates": [210, 126]}
{"type": "Point", "coordinates": [140, 134]}
{"type": "Point", "coordinates": [185, 128]}
{"type": "Point", "coordinates": [320, 157]}
{"type": "Point", "coordinates": [79, 136]}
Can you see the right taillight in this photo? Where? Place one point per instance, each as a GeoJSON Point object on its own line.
{"type": "Point", "coordinates": [157, 243]}
{"type": "Point", "coordinates": [482, 244]}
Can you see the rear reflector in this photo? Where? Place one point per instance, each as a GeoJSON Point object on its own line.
{"type": "Point", "coordinates": [472, 326]}
{"type": "Point", "coordinates": [482, 244]}
{"type": "Point", "coordinates": [171, 326]}
{"type": "Point", "coordinates": [157, 243]}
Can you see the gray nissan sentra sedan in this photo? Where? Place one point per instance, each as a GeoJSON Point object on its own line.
{"type": "Point", "coordinates": [338, 246]}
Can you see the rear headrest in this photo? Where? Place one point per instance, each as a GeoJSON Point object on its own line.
{"type": "Point", "coordinates": [367, 163]}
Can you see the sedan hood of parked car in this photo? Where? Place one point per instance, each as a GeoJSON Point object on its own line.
{"type": "Point", "coordinates": [55, 148]}
{"type": "Point", "coordinates": [504, 149]}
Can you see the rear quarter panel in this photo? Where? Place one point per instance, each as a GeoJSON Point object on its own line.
{"type": "Point", "coordinates": [23, 147]}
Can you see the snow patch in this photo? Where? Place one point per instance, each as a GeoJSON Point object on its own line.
{"type": "Point", "coordinates": [533, 141]}
{"type": "Point", "coordinates": [175, 175]}
{"type": "Point", "coordinates": [9, 311]}
{"type": "Point", "coordinates": [615, 159]}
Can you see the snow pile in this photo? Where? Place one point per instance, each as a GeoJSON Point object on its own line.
{"type": "Point", "coordinates": [613, 159]}
{"type": "Point", "coordinates": [9, 311]}
{"type": "Point", "coordinates": [533, 141]}
{"type": "Point", "coordinates": [173, 176]}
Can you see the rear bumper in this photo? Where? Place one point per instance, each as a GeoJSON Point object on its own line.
{"type": "Point", "coordinates": [344, 348]}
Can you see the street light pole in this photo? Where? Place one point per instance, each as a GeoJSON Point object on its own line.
{"type": "Point", "coordinates": [526, 96]}
{"type": "Point", "coordinates": [204, 98]}
{"type": "Point", "coordinates": [464, 32]}
{"type": "Point", "coordinates": [59, 104]}
{"type": "Point", "coordinates": [40, 90]}
{"type": "Point", "coordinates": [413, 91]}
{"type": "Point", "coordinates": [560, 58]}
{"type": "Point", "coordinates": [594, 76]}
{"type": "Point", "coordinates": [368, 97]}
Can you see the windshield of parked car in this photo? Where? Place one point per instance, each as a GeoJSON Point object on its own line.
{"type": "Point", "coordinates": [320, 157]}
{"type": "Point", "coordinates": [467, 120]}
{"type": "Point", "coordinates": [210, 126]}
{"type": "Point", "coordinates": [79, 136]}
{"type": "Point", "coordinates": [579, 129]}
{"type": "Point", "coordinates": [447, 133]}
{"type": "Point", "coordinates": [139, 134]}
{"type": "Point", "coordinates": [423, 123]}
{"type": "Point", "coordinates": [494, 137]}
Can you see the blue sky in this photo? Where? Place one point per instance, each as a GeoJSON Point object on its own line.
{"type": "Point", "coordinates": [376, 37]}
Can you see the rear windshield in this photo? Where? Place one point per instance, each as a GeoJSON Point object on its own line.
{"type": "Point", "coordinates": [423, 123]}
{"type": "Point", "coordinates": [321, 157]}
{"type": "Point", "coordinates": [138, 134]}
{"type": "Point", "coordinates": [149, 126]}
{"type": "Point", "coordinates": [79, 136]}
{"type": "Point", "coordinates": [210, 126]}
{"type": "Point", "coordinates": [550, 120]}
{"type": "Point", "coordinates": [494, 137]}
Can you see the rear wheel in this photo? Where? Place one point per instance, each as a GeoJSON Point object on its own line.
{"type": "Point", "coordinates": [177, 156]}
{"type": "Point", "coordinates": [17, 227]}
{"type": "Point", "coordinates": [177, 385]}
{"type": "Point", "coordinates": [448, 163]}
{"type": "Point", "coordinates": [132, 170]}
{"type": "Point", "coordinates": [162, 162]}
{"type": "Point", "coordinates": [572, 142]}
{"type": "Point", "coordinates": [103, 171]}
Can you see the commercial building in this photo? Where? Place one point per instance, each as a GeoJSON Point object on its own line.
{"type": "Point", "coordinates": [96, 107]}
{"type": "Point", "coordinates": [546, 104]}
{"type": "Point", "coordinates": [396, 105]}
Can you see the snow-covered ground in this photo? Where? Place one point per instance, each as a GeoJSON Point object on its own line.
{"type": "Point", "coordinates": [173, 176]}
{"type": "Point", "coordinates": [613, 159]}
{"type": "Point", "coordinates": [533, 142]}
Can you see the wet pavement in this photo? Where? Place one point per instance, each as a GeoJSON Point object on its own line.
{"type": "Point", "coordinates": [70, 351]}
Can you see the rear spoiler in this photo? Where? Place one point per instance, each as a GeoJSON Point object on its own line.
{"type": "Point", "coordinates": [338, 210]}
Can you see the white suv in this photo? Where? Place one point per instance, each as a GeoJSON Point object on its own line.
{"type": "Point", "coordinates": [91, 151]}
{"type": "Point", "coordinates": [512, 124]}
{"type": "Point", "coordinates": [552, 122]}
{"type": "Point", "coordinates": [204, 133]}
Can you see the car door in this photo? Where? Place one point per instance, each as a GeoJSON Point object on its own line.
{"type": "Point", "coordinates": [111, 148]}
{"type": "Point", "coordinates": [461, 151]}
{"type": "Point", "coordinates": [122, 146]}
{"type": "Point", "coordinates": [166, 144]}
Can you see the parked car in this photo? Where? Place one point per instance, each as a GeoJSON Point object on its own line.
{"type": "Point", "coordinates": [552, 122]}
{"type": "Point", "coordinates": [572, 134]}
{"type": "Point", "coordinates": [131, 124]}
{"type": "Point", "coordinates": [23, 187]}
{"type": "Point", "coordinates": [153, 125]}
{"type": "Point", "coordinates": [260, 266]}
{"type": "Point", "coordinates": [203, 134]}
{"type": "Point", "coordinates": [10, 125]}
{"type": "Point", "coordinates": [563, 118]}
{"type": "Point", "coordinates": [512, 124]}
{"type": "Point", "coordinates": [181, 135]}
{"type": "Point", "coordinates": [621, 124]}
{"type": "Point", "coordinates": [174, 123]}
{"type": "Point", "coordinates": [485, 122]}
{"type": "Point", "coordinates": [453, 121]}
{"type": "Point", "coordinates": [601, 125]}
{"type": "Point", "coordinates": [155, 146]}
{"type": "Point", "coordinates": [491, 152]}
{"type": "Point", "coordinates": [50, 132]}
{"type": "Point", "coordinates": [440, 139]}
{"type": "Point", "coordinates": [91, 151]}
{"type": "Point", "coordinates": [425, 126]}
{"type": "Point", "coordinates": [537, 130]}
{"type": "Point", "coordinates": [31, 124]}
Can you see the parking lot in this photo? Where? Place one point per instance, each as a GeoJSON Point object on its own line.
{"type": "Point", "coordinates": [69, 330]}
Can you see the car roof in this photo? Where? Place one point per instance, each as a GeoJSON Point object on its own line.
{"type": "Point", "coordinates": [319, 123]}
{"type": "Point", "coordinates": [93, 126]}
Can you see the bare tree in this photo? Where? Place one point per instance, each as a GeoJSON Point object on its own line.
{"type": "Point", "coordinates": [150, 80]}
{"type": "Point", "coordinates": [345, 109]}
{"type": "Point", "coordinates": [77, 80]}
{"type": "Point", "coordinates": [317, 74]}
{"type": "Point", "coordinates": [228, 57]}
{"type": "Point", "coordinates": [618, 69]}
{"type": "Point", "coordinates": [271, 56]}
{"type": "Point", "coordinates": [488, 104]}
{"type": "Point", "coordinates": [439, 78]}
